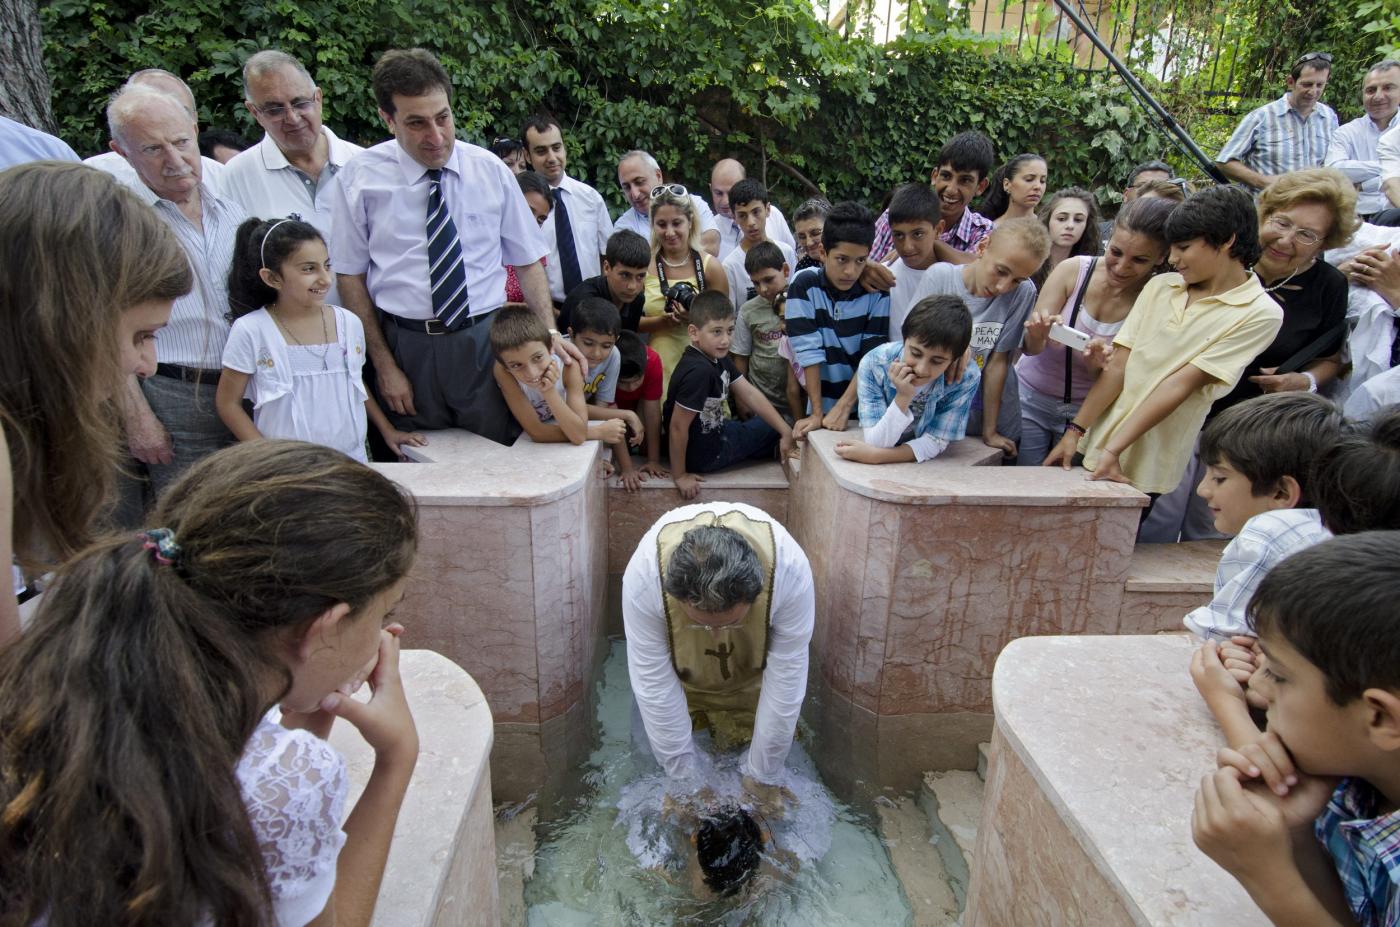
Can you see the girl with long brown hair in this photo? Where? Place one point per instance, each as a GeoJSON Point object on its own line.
{"type": "Point", "coordinates": [142, 778]}
{"type": "Point", "coordinates": [90, 275]}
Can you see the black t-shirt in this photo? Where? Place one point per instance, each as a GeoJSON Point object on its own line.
{"type": "Point", "coordinates": [702, 386]}
{"type": "Point", "coordinates": [598, 286]}
{"type": "Point", "coordinates": [1314, 302]}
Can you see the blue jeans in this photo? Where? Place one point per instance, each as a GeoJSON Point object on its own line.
{"type": "Point", "coordinates": [741, 441]}
{"type": "Point", "coordinates": [1043, 420]}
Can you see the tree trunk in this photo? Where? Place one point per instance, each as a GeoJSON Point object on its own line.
{"type": "Point", "coordinates": [25, 92]}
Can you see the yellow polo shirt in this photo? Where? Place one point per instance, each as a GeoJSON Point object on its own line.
{"type": "Point", "coordinates": [1219, 335]}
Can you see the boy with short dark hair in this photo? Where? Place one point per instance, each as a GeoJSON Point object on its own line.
{"type": "Point", "coordinates": [639, 390]}
{"type": "Point", "coordinates": [959, 177]}
{"type": "Point", "coordinates": [748, 200]}
{"type": "Point", "coordinates": [914, 217]}
{"type": "Point", "coordinates": [759, 328]}
{"type": "Point", "coordinates": [702, 440]}
{"type": "Point", "coordinates": [908, 409]}
{"type": "Point", "coordinates": [1306, 818]}
{"type": "Point", "coordinates": [622, 281]}
{"type": "Point", "coordinates": [832, 321]}
{"type": "Point", "coordinates": [596, 325]}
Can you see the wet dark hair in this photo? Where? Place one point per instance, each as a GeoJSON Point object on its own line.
{"type": "Point", "coordinates": [746, 191]}
{"type": "Point", "coordinates": [1213, 215]}
{"type": "Point", "coordinates": [1269, 437]}
{"type": "Point", "coordinates": [627, 249]}
{"type": "Point", "coordinates": [1356, 483]}
{"type": "Point", "coordinates": [997, 199]}
{"type": "Point", "coordinates": [729, 848]}
{"type": "Point", "coordinates": [939, 322]}
{"type": "Point", "coordinates": [633, 354]}
{"type": "Point", "coordinates": [1334, 603]}
{"type": "Point", "coordinates": [710, 306]}
{"type": "Point", "coordinates": [530, 182]}
{"type": "Point", "coordinates": [968, 151]}
{"type": "Point", "coordinates": [595, 315]}
{"type": "Point", "coordinates": [210, 139]}
{"type": "Point", "coordinates": [262, 243]}
{"type": "Point", "coordinates": [407, 72]}
{"type": "Point", "coordinates": [850, 223]}
{"type": "Point", "coordinates": [764, 256]}
{"type": "Point", "coordinates": [914, 202]}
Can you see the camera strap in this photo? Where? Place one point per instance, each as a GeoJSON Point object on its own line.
{"type": "Point", "coordinates": [1073, 317]}
{"type": "Point", "coordinates": [699, 272]}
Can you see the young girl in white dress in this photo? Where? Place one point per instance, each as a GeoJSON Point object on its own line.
{"type": "Point", "coordinates": [299, 360]}
{"type": "Point", "coordinates": [144, 778]}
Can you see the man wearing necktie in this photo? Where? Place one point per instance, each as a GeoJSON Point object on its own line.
{"type": "Point", "coordinates": [425, 225]}
{"type": "Point", "coordinates": [578, 227]}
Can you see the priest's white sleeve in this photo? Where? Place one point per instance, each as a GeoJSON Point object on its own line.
{"type": "Point", "coordinates": [785, 678]}
{"type": "Point", "coordinates": [660, 698]}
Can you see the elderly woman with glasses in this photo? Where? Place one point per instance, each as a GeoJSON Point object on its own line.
{"type": "Point", "coordinates": [680, 268]}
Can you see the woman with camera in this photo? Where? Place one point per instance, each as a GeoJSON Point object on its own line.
{"type": "Point", "coordinates": [679, 270]}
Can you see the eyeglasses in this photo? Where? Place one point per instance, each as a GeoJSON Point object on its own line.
{"type": "Point", "coordinates": [1301, 235]}
{"type": "Point", "coordinates": [674, 189]}
{"type": "Point", "coordinates": [1313, 56]}
{"type": "Point", "coordinates": [278, 110]}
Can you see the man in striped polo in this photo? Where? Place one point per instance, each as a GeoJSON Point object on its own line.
{"type": "Point", "coordinates": [1290, 134]}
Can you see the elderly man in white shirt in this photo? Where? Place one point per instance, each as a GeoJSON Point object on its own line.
{"type": "Point", "coordinates": [578, 226]}
{"type": "Point", "coordinates": [1354, 146]}
{"type": "Point", "coordinates": [638, 174]}
{"type": "Point", "coordinates": [723, 177]}
{"type": "Point", "coordinates": [717, 604]}
{"type": "Point", "coordinates": [171, 420]}
{"type": "Point", "coordinates": [211, 171]}
{"type": "Point", "coordinates": [291, 170]}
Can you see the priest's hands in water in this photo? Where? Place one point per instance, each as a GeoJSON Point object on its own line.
{"type": "Point", "coordinates": [771, 801]}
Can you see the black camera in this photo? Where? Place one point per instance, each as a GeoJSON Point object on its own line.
{"type": "Point", "coordinates": [682, 294]}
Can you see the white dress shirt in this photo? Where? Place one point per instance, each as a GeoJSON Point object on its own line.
{"type": "Point", "coordinates": [1388, 157]}
{"type": "Point", "coordinates": [1376, 394]}
{"type": "Point", "coordinates": [777, 231]}
{"type": "Point", "coordinates": [739, 280]}
{"type": "Point", "coordinates": [198, 327]}
{"type": "Point", "coordinates": [591, 224]}
{"type": "Point", "coordinates": [379, 209]}
{"type": "Point", "coordinates": [211, 173]}
{"type": "Point", "coordinates": [265, 184]}
{"type": "Point", "coordinates": [640, 223]}
{"type": "Point", "coordinates": [1353, 152]}
{"type": "Point", "coordinates": [660, 697]}
{"type": "Point", "coordinates": [1371, 317]}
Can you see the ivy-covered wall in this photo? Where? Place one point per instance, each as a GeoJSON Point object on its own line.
{"type": "Point", "coordinates": [691, 82]}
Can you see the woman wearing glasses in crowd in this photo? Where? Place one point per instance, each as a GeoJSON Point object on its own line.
{"type": "Point", "coordinates": [676, 257]}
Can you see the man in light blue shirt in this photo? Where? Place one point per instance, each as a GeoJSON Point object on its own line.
{"type": "Point", "coordinates": [1290, 134]}
{"type": "Point", "coordinates": [19, 144]}
{"type": "Point", "coordinates": [1353, 149]}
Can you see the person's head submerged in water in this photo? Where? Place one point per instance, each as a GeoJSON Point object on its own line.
{"type": "Point", "coordinates": [729, 847]}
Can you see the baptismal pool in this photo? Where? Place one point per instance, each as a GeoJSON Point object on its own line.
{"type": "Point", "coordinates": [588, 872]}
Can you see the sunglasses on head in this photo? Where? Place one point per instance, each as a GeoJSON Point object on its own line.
{"type": "Point", "coordinates": [1313, 56]}
{"type": "Point", "coordinates": [674, 189]}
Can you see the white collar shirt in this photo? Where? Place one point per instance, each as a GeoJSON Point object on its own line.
{"type": "Point", "coordinates": [776, 229]}
{"type": "Point", "coordinates": [211, 173]}
{"type": "Point", "coordinates": [379, 209]}
{"type": "Point", "coordinates": [591, 225]}
{"type": "Point", "coordinates": [641, 222]}
{"type": "Point", "coordinates": [1354, 152]}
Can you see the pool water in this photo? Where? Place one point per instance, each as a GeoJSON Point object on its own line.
{"type": "Point", "coordinates": [586, 874]}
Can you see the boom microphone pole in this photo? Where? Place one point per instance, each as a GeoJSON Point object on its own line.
{"type": "Point", "coordinates": [1174, 129]}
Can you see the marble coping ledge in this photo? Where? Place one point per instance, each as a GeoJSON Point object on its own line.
{"type": "Point", "coordinates": [437, 822]}
{"type": "Point", "coordinates": [750, 474]}
{"type": "Point", "coordinates": [460, 468]}
{"type": "Point", "coordinates": [962, 475]}
{"type": "Point", "coordinates": [1115, 736]}
{"type": "Point", "coordinates": [1188, 566]}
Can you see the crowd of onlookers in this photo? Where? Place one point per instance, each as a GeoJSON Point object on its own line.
{"type": "Point", "coordinates": [1230, 351]}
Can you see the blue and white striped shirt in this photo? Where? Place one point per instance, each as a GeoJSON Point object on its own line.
{"type": "Point", "coordinates": [834, 330]}
{"type": "Point", "coordinates": [1274, 139]}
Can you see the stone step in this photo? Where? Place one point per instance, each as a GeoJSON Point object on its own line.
{"type": "Point", "coordinates": [908, 837]}
{"type": "Point", "coordinates": [952, 800]}
{"type": "Point", "coordinates": [515, 859]}
{"type": "Point", "coordinates": [983, 758]}
{"type": "Point", "coordinates": [1164, 582]}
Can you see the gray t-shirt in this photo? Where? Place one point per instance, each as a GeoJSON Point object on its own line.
{"type": "Point", "coordinates": [997, 326]}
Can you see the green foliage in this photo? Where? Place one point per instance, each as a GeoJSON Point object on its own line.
{"type": "Point", "coordinates": [764, 81]}
{"type": "Point", "coordinates": [1380, 19]}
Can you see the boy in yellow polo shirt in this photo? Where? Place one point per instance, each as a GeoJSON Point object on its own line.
{"type": "Point", "coordinates": [1187, 341]}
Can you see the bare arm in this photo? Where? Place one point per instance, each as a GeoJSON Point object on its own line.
{"type": "Point", "coordinates": [710, 242]}
{"type": "Point", "coordinates": [524, 412]}
{"type": "Point", "coordinates": [687, 484]}
{"type": "Point", "coordinates": [393, 385]}
{"type": "Point", "coordinates": [946, 253]}
{"type": "Point", "coordinates": [1239, 171]}
{"type": "Point", "coordinates": [228, 401]}
{"type": "Point", "coordinates": [1048, 305]}
{"type": "Point", "coordinates": [1101, 395]}
{"type": "Point", "coordinates": [1391, 188]}
{"type": "Point", "coordinates": [796, 407]}
{"type": "Point", "coordinates": [742, 362]}
{"type": "Point", "coordinates": [993, 383]}
{"type": "Point", "coordinates": [715, 277]}
{"type": "Point", "coordinates": [753, 397]}
{"type": "Point", "coordinates": [1160, 403]}
{"type": "Point", "coordinates": [571, 412]}
{"type": "Point", "coordinates": [146, 437]}
{"type": "Point", "coordinates": [651, 418]}
{"type": "Point", "coordinates": [813, 377]}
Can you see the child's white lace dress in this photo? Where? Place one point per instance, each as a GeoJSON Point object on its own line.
{"type": "Point", "coordinates": [295, 787]}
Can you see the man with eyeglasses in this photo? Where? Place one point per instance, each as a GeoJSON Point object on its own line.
{"type": "Point", "coordinates": [1290, 134]}
{"type": "Point", "coordinates": [717, 605]}
{"type": "Point", "coordinates": [638, 174]}
{"type": "Point", "coordinates": [291, 169]}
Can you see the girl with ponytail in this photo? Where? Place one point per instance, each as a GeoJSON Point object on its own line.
{"type": "Point", "coordinates": [142, 778]}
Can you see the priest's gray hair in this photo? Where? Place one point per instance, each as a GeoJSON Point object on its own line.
{"type": "Point", "coordinates": [714, 569]}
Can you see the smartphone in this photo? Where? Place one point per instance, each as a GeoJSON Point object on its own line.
{"type": "Point", "coordinates": [1069, 337]}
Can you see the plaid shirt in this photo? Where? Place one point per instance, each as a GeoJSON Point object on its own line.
{"type": "Point", "coordinates": [1263, 541]}
{"type": "Point", "coordinates": [971, 228]}
{"type": "Point", "coordinates": [1366, 851]}
{"type": "Point", "coordinates": [1274, 139]}
{"type": "Point", "coordinates": [937, 415]}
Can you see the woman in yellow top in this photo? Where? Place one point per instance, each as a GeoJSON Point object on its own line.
{"type": "Point", "coordinates": [676, 256]}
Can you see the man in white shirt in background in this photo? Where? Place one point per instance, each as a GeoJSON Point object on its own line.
{"type": "Point", "coordinates": [291, 170]}
{"type": "Point", "coordinates": [638, 174]}
{"type": "Point", "coordinates": [211, 172]}
{"type": "Point", "coordinates": [578, 226]}
{"type": "Point", "coordinates": [718, 606]}
{"type": "Point", "coordinates": [723, 177]}
{"type": "Point", "coordinates": [1354, 148]}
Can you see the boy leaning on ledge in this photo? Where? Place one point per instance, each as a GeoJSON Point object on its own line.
{"type": "Point", "coordinates": [908, 409]}
{"type": "Point", "coordinates": [1306, 819]}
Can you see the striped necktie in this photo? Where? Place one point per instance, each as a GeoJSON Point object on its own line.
{"type": "Point", "coordinates": [445, 270]}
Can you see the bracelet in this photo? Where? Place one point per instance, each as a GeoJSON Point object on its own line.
{"type": "Point", "coordinates": [1312, 381]}
{"type": "Point", "coordinates": [554, 333]}
{"type": "Point", "coordinates": [1076, 427]}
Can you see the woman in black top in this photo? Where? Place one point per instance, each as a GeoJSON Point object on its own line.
{"type": "Point", "coordinates": [1301, 214]}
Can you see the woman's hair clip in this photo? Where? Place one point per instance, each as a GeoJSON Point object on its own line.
{"type": "Point", "coordinates": [161, 543]}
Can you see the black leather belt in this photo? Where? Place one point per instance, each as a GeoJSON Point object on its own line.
{"type": "Point", "coordinates": [435, 326]}
{"type": "Point", "coordinates": [189, 374]}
